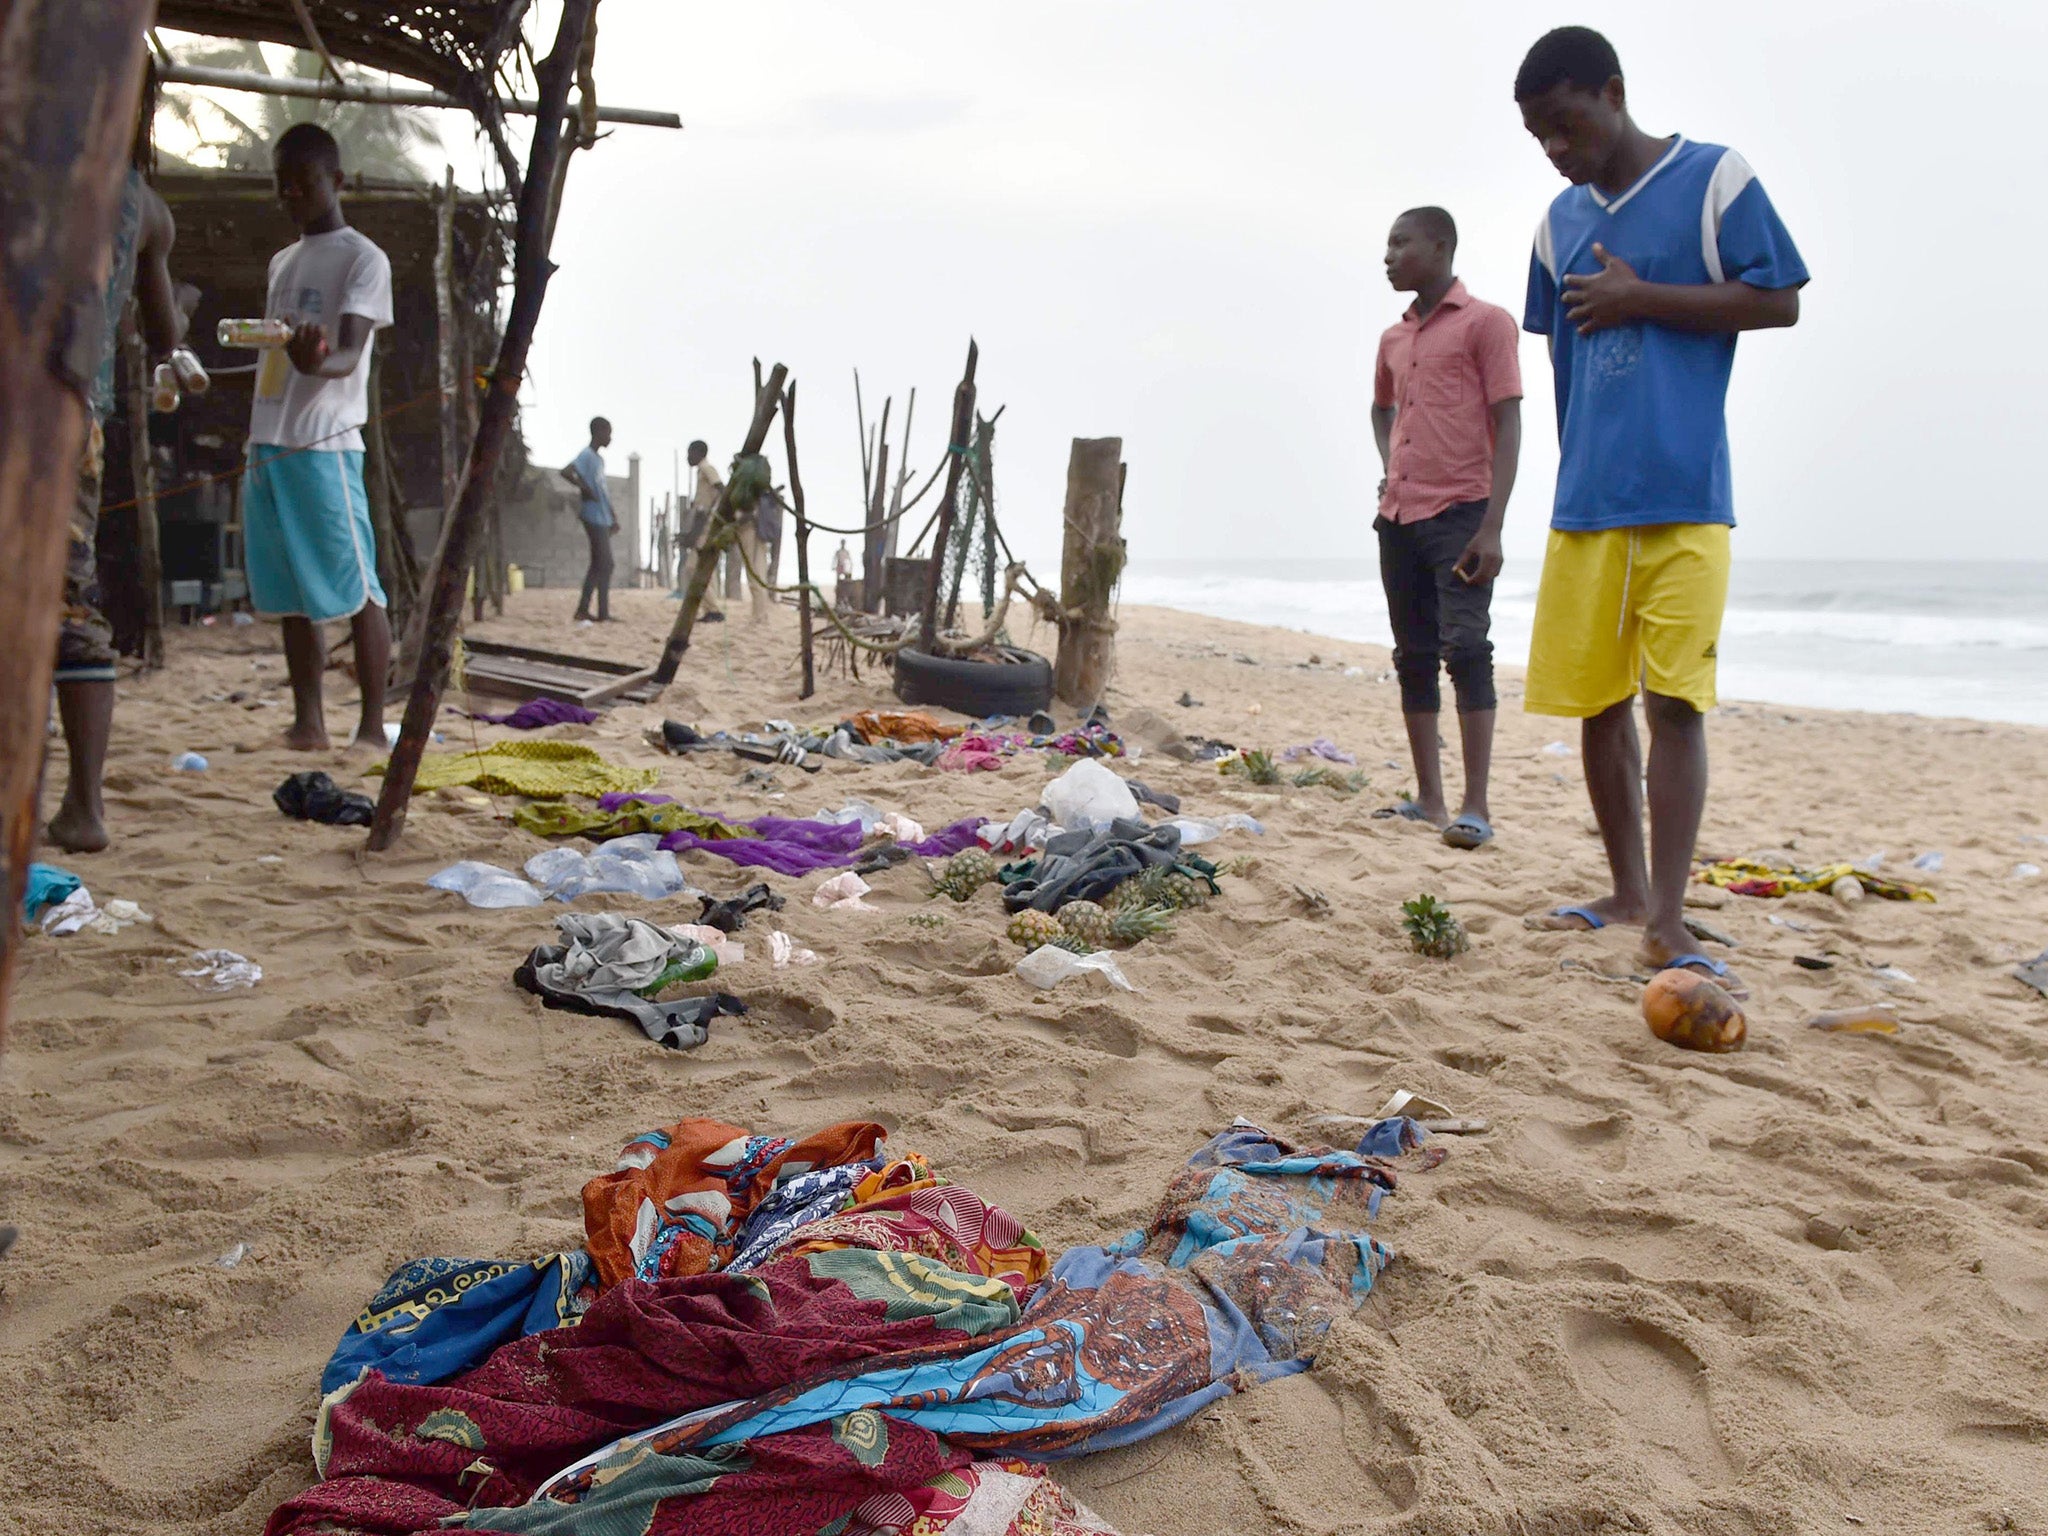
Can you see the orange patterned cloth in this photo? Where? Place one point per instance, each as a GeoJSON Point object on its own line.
{"type": "Point", "coordinates": [676, 1201]}
{"type": "Point", "coordinates": [903, 725]}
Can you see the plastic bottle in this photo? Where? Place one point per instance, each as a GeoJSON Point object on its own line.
{"type": "Point", "coordinates": [189, 762]}
{"type": "Point", "coordinates": [163, 390]}
{"type": "Point", "coordinates": [1871, 1019]}
{"type": "Point", "coordinates": [191, 373]}
{"type": "Point", "coordinates": [253, 333]}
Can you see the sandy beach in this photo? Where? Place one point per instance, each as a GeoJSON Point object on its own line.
{"type": "Point", "coordinates": [1629, 1306]}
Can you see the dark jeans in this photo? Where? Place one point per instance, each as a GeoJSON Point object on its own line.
{"type": "Point", "coordinates": [1438, 620]}
{"type": "Point", "coordinates": [598, 578]}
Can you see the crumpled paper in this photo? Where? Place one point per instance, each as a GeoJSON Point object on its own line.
{"type": "Point", "coordinates": [843, 891]}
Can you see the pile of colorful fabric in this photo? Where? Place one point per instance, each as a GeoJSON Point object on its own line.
{"type": "Point", "coordinates": [825, 1336]}
{"type": "Point", "coordinates": [537, 713]}
{"type": "Point", "coordinates": [980, 751]}
{"type": "Point", "coordinates": [785, 845]}
{"type": "Point", "coordinates": [545, 770]}
{"type": "Point", "coordinates": [1754, 877]}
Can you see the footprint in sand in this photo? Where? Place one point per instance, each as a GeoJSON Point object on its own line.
{"type": "Point", "coordinates": [1657, 1391]}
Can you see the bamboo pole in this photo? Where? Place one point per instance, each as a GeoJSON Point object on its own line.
{"type": "Point", "coordinates": [889, 537]}
{"type": "Point", "coordinates": [956, 459]}
{"type": "Point", "coordinates": [718, 535]}
{"type": "Point", "coordinates": [258, 84]}
{"type": "Point", "coordinates": [70, 72]}
{"type": "Point", "coordinates": [803, 542]}
{"type": "Point", "coordinates": [142, 468]}
{"type": "Point", "coordinates": [464, 529]}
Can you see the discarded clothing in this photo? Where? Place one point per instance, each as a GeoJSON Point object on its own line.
{"type": "Point", "coordinates": [535, 713]}
{"type": "Point", "coordinates": [1004, 1497]}
{"type": "Point", "coordinates": [800, 847]}
{"type": "Point", "coordinates": [1208, 749]}
{"type": "Point", "coordinates": [1147, 795]}
{"type": "Point", "coordinates": [313, 796]}
{"type": "Point", "coordinates": [79, 911]}
{"type": "Point", "coordinates": [613, 965]}
{"type": "Point", "coordinates": [619, 815]}
{"type": "Point", "coordinates": [542, 770]}
{"type": "Point", "coordinates": [902, 726]}
{"type": "Point", "coordinates": [984, 750]}
{"type": "Point", "coordinates": [436, 1318]}
{"type": "Point", "coordinates": [47, 885]}
{"type": "Point", "coordinates": [1321, 747]}
{"type": "Point", "coordinates": [1087, 866]}
{"type": "Point", "coordinates": [1753, 877]}
{"type": "Point", "coordinates": [730, 915]}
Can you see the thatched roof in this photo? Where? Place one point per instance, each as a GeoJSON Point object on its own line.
{"type": "Point", "coordinates": [454, 45]}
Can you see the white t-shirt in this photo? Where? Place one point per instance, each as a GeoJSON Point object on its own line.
{"type": "Point", "coordinates": [320, 279]}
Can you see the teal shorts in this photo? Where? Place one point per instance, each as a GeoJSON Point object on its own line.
{"type": "Point", "coordinates": [306, 534]}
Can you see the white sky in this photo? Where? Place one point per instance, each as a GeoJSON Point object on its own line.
{"type": "Point", "coordinates": [1164, 219]}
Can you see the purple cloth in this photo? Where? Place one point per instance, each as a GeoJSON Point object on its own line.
{"type": "Point", "coordinates": [1321, 747]}
{"type": "Point", "coordinates": [791, 847]}
{"type": "Point", "coordinates": [535, 713]}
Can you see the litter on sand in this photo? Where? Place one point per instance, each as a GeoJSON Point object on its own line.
{"type": "Point", "coordinates": [222, 970]}
{"type": "Point", "coordinates": [841, 892]}
{"type": "Point", "coordinates": [783, 951]}
{"type": "Point", "coordinates": [1049, 965]}
{"type": "Point", "coordinates": [1875, 1019]}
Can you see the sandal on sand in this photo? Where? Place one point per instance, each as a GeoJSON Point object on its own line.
{"type": "Point", "coordinates": [1407, 810]}
{"type": "Point", "coordinates": [1586, 915]}
{"type": "Point", "coordinates": [1468, 832]}
{"type": "Point", "coordinates": [1715, 969]}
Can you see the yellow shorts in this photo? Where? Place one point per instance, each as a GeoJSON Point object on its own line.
{"type": "Point", "coordinates": [1623, 608]}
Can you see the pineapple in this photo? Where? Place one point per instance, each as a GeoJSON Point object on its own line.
{"type": "Point", "coordinates": [1070, 944]}
{"type": "Point", "coordinates": [965, 874]}
{"type": "Point", "coordinates": [1031, 928]}
{"type": "Point", "coordinates": [1130, 924]}
{"type": "Point", "coordinates": [1181, 889]}
{"type": "Point", "coordinates": [1432, 929]}
{"type": "Point", "coordinates": [1086, 921]}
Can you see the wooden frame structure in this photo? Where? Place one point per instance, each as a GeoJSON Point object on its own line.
{"type": "Point", "coordinates": [70, 76]}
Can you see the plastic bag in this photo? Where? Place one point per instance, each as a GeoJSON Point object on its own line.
{"type": "Point", "coordinates": [843, 891]}
{"type": "Point", "coordinates": [485, 885]}
{"type": "Point", "coordinates": [222, 970]}
{"type": "Point", "coordinates": [632, 866]}
{"type": "Point", "coordinates": [1195, 830]}
{"type": "Point", "coordinates": [730, 951]}
{"type": "Point", "coordinates": [1088, 796]}
{"type": "Point", "coordinates": [1049, 965]}
{"type": "Point", "coordinates": [784, 951]}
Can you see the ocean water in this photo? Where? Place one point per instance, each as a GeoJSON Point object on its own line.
{"type": "Point", "coordinates": [1959, 638]}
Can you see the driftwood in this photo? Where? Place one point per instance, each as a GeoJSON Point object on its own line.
{"type": "Point", "coordinates": [1091, 564]}
{"type": "Point", "coordinates": [956, 460]}
{"type": "Point", "coordinates": [803, 543]}
{"type": "Point", "coordinates": [464, 529]}
{"type": "Point", "coordinates": [70, 76]}
{"type": "Point", "coordinates": [719, 533]}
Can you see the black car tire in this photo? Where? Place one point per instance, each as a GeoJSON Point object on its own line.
{"type": "Point", "coordinates": [1019, 683]}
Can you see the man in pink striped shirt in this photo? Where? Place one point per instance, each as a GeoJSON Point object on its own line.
{"type": "Point", "coordinates": [1447, 415]}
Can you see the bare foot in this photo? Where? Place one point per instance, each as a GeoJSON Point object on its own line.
{"type": "Point", "coordinates": [367, 744]}
{"type": "Point", "coordinates": [1660, 947]}
{"type": "Point", "coordinates": [77, 831]}
{"type": "Point", "coordinates": [1611, 910]}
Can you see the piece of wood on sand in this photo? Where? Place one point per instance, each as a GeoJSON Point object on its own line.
{"type": "Point", "coordinates": [1091, 565]}
{"type": "Point", "coordinates": [719, 533]}
{"type": "Point", "coordinates": [70, 77]}
{"type": "Point", "coordinates": [463, 531]}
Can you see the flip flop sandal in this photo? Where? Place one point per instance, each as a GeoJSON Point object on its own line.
{"type": "Point", "coordinates": [1716, 969]}
{"type": "Point", "coordinates": [1407, 810]}
{"type": "Point", "coordinates": [1593, 920]}
{"type": "Point", "coordinates": [1468, 832]}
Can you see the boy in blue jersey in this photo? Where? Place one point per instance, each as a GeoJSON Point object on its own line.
{"type": "Point", "coordinates": [594, 512]}
{"type": "Point", "coordinates": [1643, 272]}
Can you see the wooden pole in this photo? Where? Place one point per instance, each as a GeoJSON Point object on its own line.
{"type": "Point", "coordinates": [872, 545]}
{"type": "Point", "coordinates": [889, 537]}
{"type": "Point", "coordinates": [1091, 564]}
{"type": "Point", "coordinates": [803, 542]}
{"type": "Point", "coordinates": [956, 459]}
{"type": "Point", "coordinates": [718, 534]}
{"type": "Point", "coordinates": [142, 468]}
{"type": "Point", "coordinates": [444, 343]}
{"type": "Point", "coordinates": [462, 531]}
{"type": "Point", "coordinates": [398, 563]}
{"type": "Point", "coordinates": [70, 73]}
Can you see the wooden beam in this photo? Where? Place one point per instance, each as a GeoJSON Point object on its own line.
{"type": "Point", "coordinates": [70, 78]}
{"type": "Point", "coordinates": [258, 84]}
{"type": "Point", "coordinates": [956, 460]}
{"type": "Point", "coordinates": [803, 542]}
{"type": "Point", "coordinates": [718, 534]}
{"type": "Point", "coordinates": [463, 530]}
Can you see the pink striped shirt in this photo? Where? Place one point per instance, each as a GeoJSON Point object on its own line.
{"type": "Point", "coordinates": [1443, 375]}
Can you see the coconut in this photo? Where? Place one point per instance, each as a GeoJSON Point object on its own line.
{"type": "Point", "coordinates": [1687, 1009]}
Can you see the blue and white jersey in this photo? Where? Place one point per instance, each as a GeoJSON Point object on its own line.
{"type": "Point", "coordinates": [1641, 424]}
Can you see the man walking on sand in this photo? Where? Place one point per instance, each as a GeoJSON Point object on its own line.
{"type": "Point", "coordinates": [1447, 415]}
{"type": "Point", "coordinates": [594, 512]}
{"type": "Point", "coordinates": [306, 530]}
{"type": "Point", "coordinates": [1644, 271]}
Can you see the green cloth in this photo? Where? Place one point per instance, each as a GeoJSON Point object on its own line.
{"type": "Point", "coordinates": [557, 819]}
{"type": "Point", "coordinates": [544, 770]}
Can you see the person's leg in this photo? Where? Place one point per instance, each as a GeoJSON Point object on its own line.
{"type": "Point", "coordinates": [85, 671]}
{"type": "Point", "coordinates": [1464, 623]}
{"type": "Point", "coordinates": [1411, 614]}
{"type": "Point", "coordinates": [602, 563]}
{"type": "Point", "coordinates": [755, 566]}
{"type": "Point", "coordinates": [371, 628]}
{"type": "Point", "coordinates": [591, 535]}
{"type": "Point", "coordinates": [1678, 797]}
{"type": "Point", "coordinates": [305, 659]}
{"type": "Point", "coordinates": [1614, 783]}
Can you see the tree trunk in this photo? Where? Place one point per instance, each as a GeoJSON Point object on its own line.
{"type": "Point", "coordinates": [956, 460]}
{"type": "Point", "coordinates": [149, 559]}
{"type": "Point", "coordinates": [1091, 564]}
{"type": "Point", "coordinates": [69, 79]}
{"type": "Point", "coordinates": [464, 528]}
{"type": "Point", "coordinates": [803, 542]}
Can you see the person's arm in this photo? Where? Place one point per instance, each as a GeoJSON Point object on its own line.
{"type": "Point", "coordinates": [569, 473]}
{"type": "Point", "coordinates": [163, 321]}
{"type": "Point", "coordinates": [1481, 560]}
{"type": "Point", "coordinates": [312, 353]}
{"type": "Point", "coordinates": [1615, 295]}
{"type": "Point", "coordinates": [1383, 435]}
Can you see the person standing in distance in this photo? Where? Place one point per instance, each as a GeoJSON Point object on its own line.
{"type": "Point", "coordinates": [1447, 416]}
{"type": "Point", "coordinates": [594, 511]}
{"type": "Point", "coordinates": [1644, 271]}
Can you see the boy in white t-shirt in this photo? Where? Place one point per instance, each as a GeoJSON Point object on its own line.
{"type": "Point", "coordinates": [310, 550]}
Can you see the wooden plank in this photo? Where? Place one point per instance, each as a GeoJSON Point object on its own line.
{"type": "Point", "coordinates": [558, 658]}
